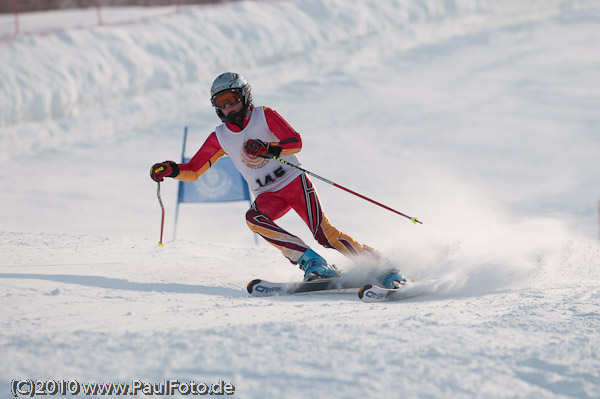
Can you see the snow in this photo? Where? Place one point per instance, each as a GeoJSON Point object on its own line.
{"type": "Point", "coordinates": [479, 117]}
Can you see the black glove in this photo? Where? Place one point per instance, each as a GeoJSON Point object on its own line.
{"type": "Point", "coordinates": [159, 171]}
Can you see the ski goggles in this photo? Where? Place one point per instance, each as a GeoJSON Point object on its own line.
{"type": "Point", "coordinates": [223, 98]}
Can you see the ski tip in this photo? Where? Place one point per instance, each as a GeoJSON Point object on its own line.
{"type": "Point", "coordinates": [363, 289]}
{"type": "Point", "coordinates": [251, 285]}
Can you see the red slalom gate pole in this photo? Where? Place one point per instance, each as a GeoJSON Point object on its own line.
{"type": "Point", "coordinates": [283, 161]}
{"type": "Point", "coordinates": [162, 219]}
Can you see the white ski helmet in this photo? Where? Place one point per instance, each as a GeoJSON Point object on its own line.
{"type": "Point", "coordinates": [231, 81]}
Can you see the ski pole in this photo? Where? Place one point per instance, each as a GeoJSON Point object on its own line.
{"type": "Point", "coordinates": [283, 161]}
{"type": "Point", "coordinates": [162, 219]}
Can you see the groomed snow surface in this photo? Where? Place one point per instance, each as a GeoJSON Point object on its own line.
{"type": "Point", "coordinates": [479, 117]}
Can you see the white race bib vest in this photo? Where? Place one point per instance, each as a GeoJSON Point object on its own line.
{"type": "Point", "coordinates": [262, 175]}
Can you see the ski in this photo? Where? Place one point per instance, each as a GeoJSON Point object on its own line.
{"type": "Point", "coordinates": [371, 293]}
{"type": "Point", "coordinates": [263, 288]}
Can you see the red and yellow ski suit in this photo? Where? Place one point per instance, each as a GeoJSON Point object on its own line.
{"type": "Point", "coordinates": [298, 194]}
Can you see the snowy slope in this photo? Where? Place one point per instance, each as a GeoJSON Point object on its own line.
{"type": "Point", "coordinates": [479, 117]}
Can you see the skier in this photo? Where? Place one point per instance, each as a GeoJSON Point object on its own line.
{"type": "Point", "coordinates": [248, 135]}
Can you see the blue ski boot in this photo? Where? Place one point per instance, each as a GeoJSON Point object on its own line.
{"type": "Point", "coordinates": [316, 267]}
{"type": "Point", "coordinates": [393, 279]}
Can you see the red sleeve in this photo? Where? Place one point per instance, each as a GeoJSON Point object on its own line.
{"type": "Point", "coordinates": [206, 157]}
{"type": "Point", "coordinates": [289, 139]}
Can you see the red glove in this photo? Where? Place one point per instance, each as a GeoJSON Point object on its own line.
{"type": "Point", "coordinates": [259, 148]}
{"type": "Point", "coordinates": [159, 171]}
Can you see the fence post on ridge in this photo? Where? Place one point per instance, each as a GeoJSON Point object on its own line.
{"type": "Point", "coordinates": [16, 14]}
{"type": "Point", "coordinates": [99, 11]}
